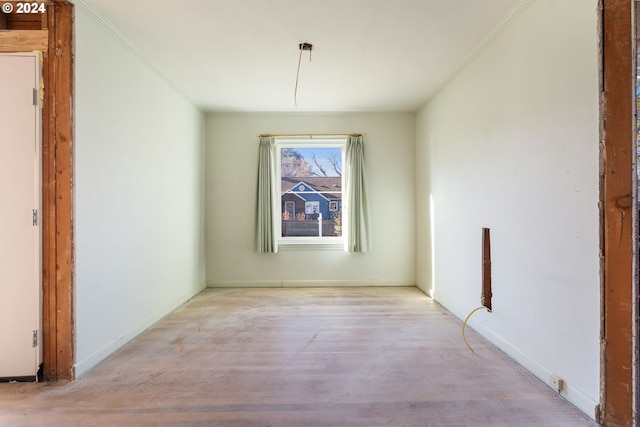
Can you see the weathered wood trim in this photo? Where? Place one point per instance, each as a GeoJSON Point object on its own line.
{"type": "Point", "coordinates": [485, 298]}
{"type": "Point", "coordinates": [58, 256]}
{"type": "Point", "coordinates": [23, 41]}
{"type": "Point", "coordinates": [617, 135]}
{"type": "Point", "coordinates": [48, 218]}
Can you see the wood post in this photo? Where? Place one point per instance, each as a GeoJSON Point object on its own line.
{"type": "Point", "coordinates": [57, 192]}
{"type": "Point", "coordinates": [617, 211]}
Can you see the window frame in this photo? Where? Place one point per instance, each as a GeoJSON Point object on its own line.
{"type": "Point", "coordinates": [309, 242]}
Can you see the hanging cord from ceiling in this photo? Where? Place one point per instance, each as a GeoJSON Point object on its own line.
{"type": "Point", "coordinates": [301, 46]}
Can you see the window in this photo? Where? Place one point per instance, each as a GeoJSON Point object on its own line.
{"type": "Point", "coordinates": [282, 194]}
{"type": "Point", "coordinates": [312, 208]}
{"type": "Point", "coordinates": [311, 190]}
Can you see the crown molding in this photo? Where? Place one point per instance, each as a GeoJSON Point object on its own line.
{"type": "Point", "coordinates": [480, 47]}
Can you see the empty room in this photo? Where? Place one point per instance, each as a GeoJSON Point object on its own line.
{"type": "Point", "coordinates": [337, 213]}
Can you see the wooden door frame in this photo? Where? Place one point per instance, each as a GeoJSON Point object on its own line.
{"type": "Point", "coordinates": [55, 41]}
{"type": "Point", "coordinates": [618, 213]}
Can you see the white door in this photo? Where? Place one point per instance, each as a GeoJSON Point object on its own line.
{"type": "Point", "coordinates": [20, 259]}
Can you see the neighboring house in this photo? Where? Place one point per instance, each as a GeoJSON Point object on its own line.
{"type": "Point", "coordinates": [311, 196]}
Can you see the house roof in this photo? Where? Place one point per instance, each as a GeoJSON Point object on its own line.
{"type": "Point", "coordinates": [328, 185]}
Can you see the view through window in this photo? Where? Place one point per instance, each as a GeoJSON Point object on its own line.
{"type": "Point", "coordinates": [311, 182]}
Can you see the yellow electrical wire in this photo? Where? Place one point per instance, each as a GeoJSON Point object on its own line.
{"type": "Point", "coordinates": [464, 325]}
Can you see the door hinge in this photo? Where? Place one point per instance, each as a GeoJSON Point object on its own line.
{"type": "Point", "coordinates": [34, 338]}
{"type": "Point", "coordinates": [35, 97]}
{"type": "Point", "coordinates": [34, 217]}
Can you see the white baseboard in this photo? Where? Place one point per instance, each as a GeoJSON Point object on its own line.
{"type": "Point", "coordinates": [570, 393]}
{"type": "Point", "coordinates": [306, 283]}
{"type": "Point", "coordinates": [83, 366]}
{"type": "Point", "coordinates": [427, 291]}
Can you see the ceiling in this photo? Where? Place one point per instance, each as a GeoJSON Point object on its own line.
{"type": "Point", "coordinates": [368, 55]}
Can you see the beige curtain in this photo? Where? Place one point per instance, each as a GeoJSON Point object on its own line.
{"type": "Point", "coordinates": [266, 239]}
{"type": "Point", "coordinates": [358, 235]}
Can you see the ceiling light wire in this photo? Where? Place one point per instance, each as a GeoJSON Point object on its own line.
{"type": "Point", "coordinates": [301, 46]}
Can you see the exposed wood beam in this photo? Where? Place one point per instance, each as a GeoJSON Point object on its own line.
{"type": "Point", "coordinates": [617, 212]}
{"type": "Point", "coordinates": [23, 41]}
{"type": "Point", "coordinates": [58, 251]}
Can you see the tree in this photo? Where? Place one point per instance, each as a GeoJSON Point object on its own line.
{"type": "Point", "coordinates": [294, 164]}
{"type": "Point", "coordinates": [336, 163]}
{"type": "Point", "coordinates": [318, 165]}
{"type": "Point", "coordinates": [333, 160]}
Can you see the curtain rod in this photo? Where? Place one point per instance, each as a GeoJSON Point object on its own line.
{"type": "Point", "coordinates": [308, 135]}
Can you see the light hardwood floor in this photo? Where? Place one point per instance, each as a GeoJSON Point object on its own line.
{"type": "Point", "coordinates": [299, 357]}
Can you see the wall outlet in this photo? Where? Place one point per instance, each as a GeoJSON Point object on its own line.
{"type": "Point", "coordinates": [556, 383]}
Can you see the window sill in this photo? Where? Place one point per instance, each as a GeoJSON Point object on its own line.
{"type": "Point", "coordinates": [310, 246]}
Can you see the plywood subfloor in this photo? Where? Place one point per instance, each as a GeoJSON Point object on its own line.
{"type": "Point", "coordinates": [299, 357]}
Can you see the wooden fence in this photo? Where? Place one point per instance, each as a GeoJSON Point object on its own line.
{"type": "Point", "coordinates": [307, 228]}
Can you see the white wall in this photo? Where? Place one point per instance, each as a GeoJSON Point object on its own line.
{"type": "Point", "coordinates": [511, 143]}
{"type": "Point", "coordinates": [139, 195]}
{"type": "Point", "coordinates": [232, 159]}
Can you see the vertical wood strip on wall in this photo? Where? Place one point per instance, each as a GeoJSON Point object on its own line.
{"type": "Point", "coordinates": [617, 134]}
{"type": "Point", "coordinates": [48, 219]}
{"type": "Point", "coordinates": [58, 256]}
{"type": "Point", "coordinates": [64, 189]}
{"type": "Point", "coordinates": [485, 298]}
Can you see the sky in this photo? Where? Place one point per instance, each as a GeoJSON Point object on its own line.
{"type": "Point", "coordinates": [322, 154]}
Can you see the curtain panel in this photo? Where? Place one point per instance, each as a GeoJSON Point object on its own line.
{"type": "Point", "coordinates": [266, 239]}
{"type": "Point", "coordinates": [358, 235]}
